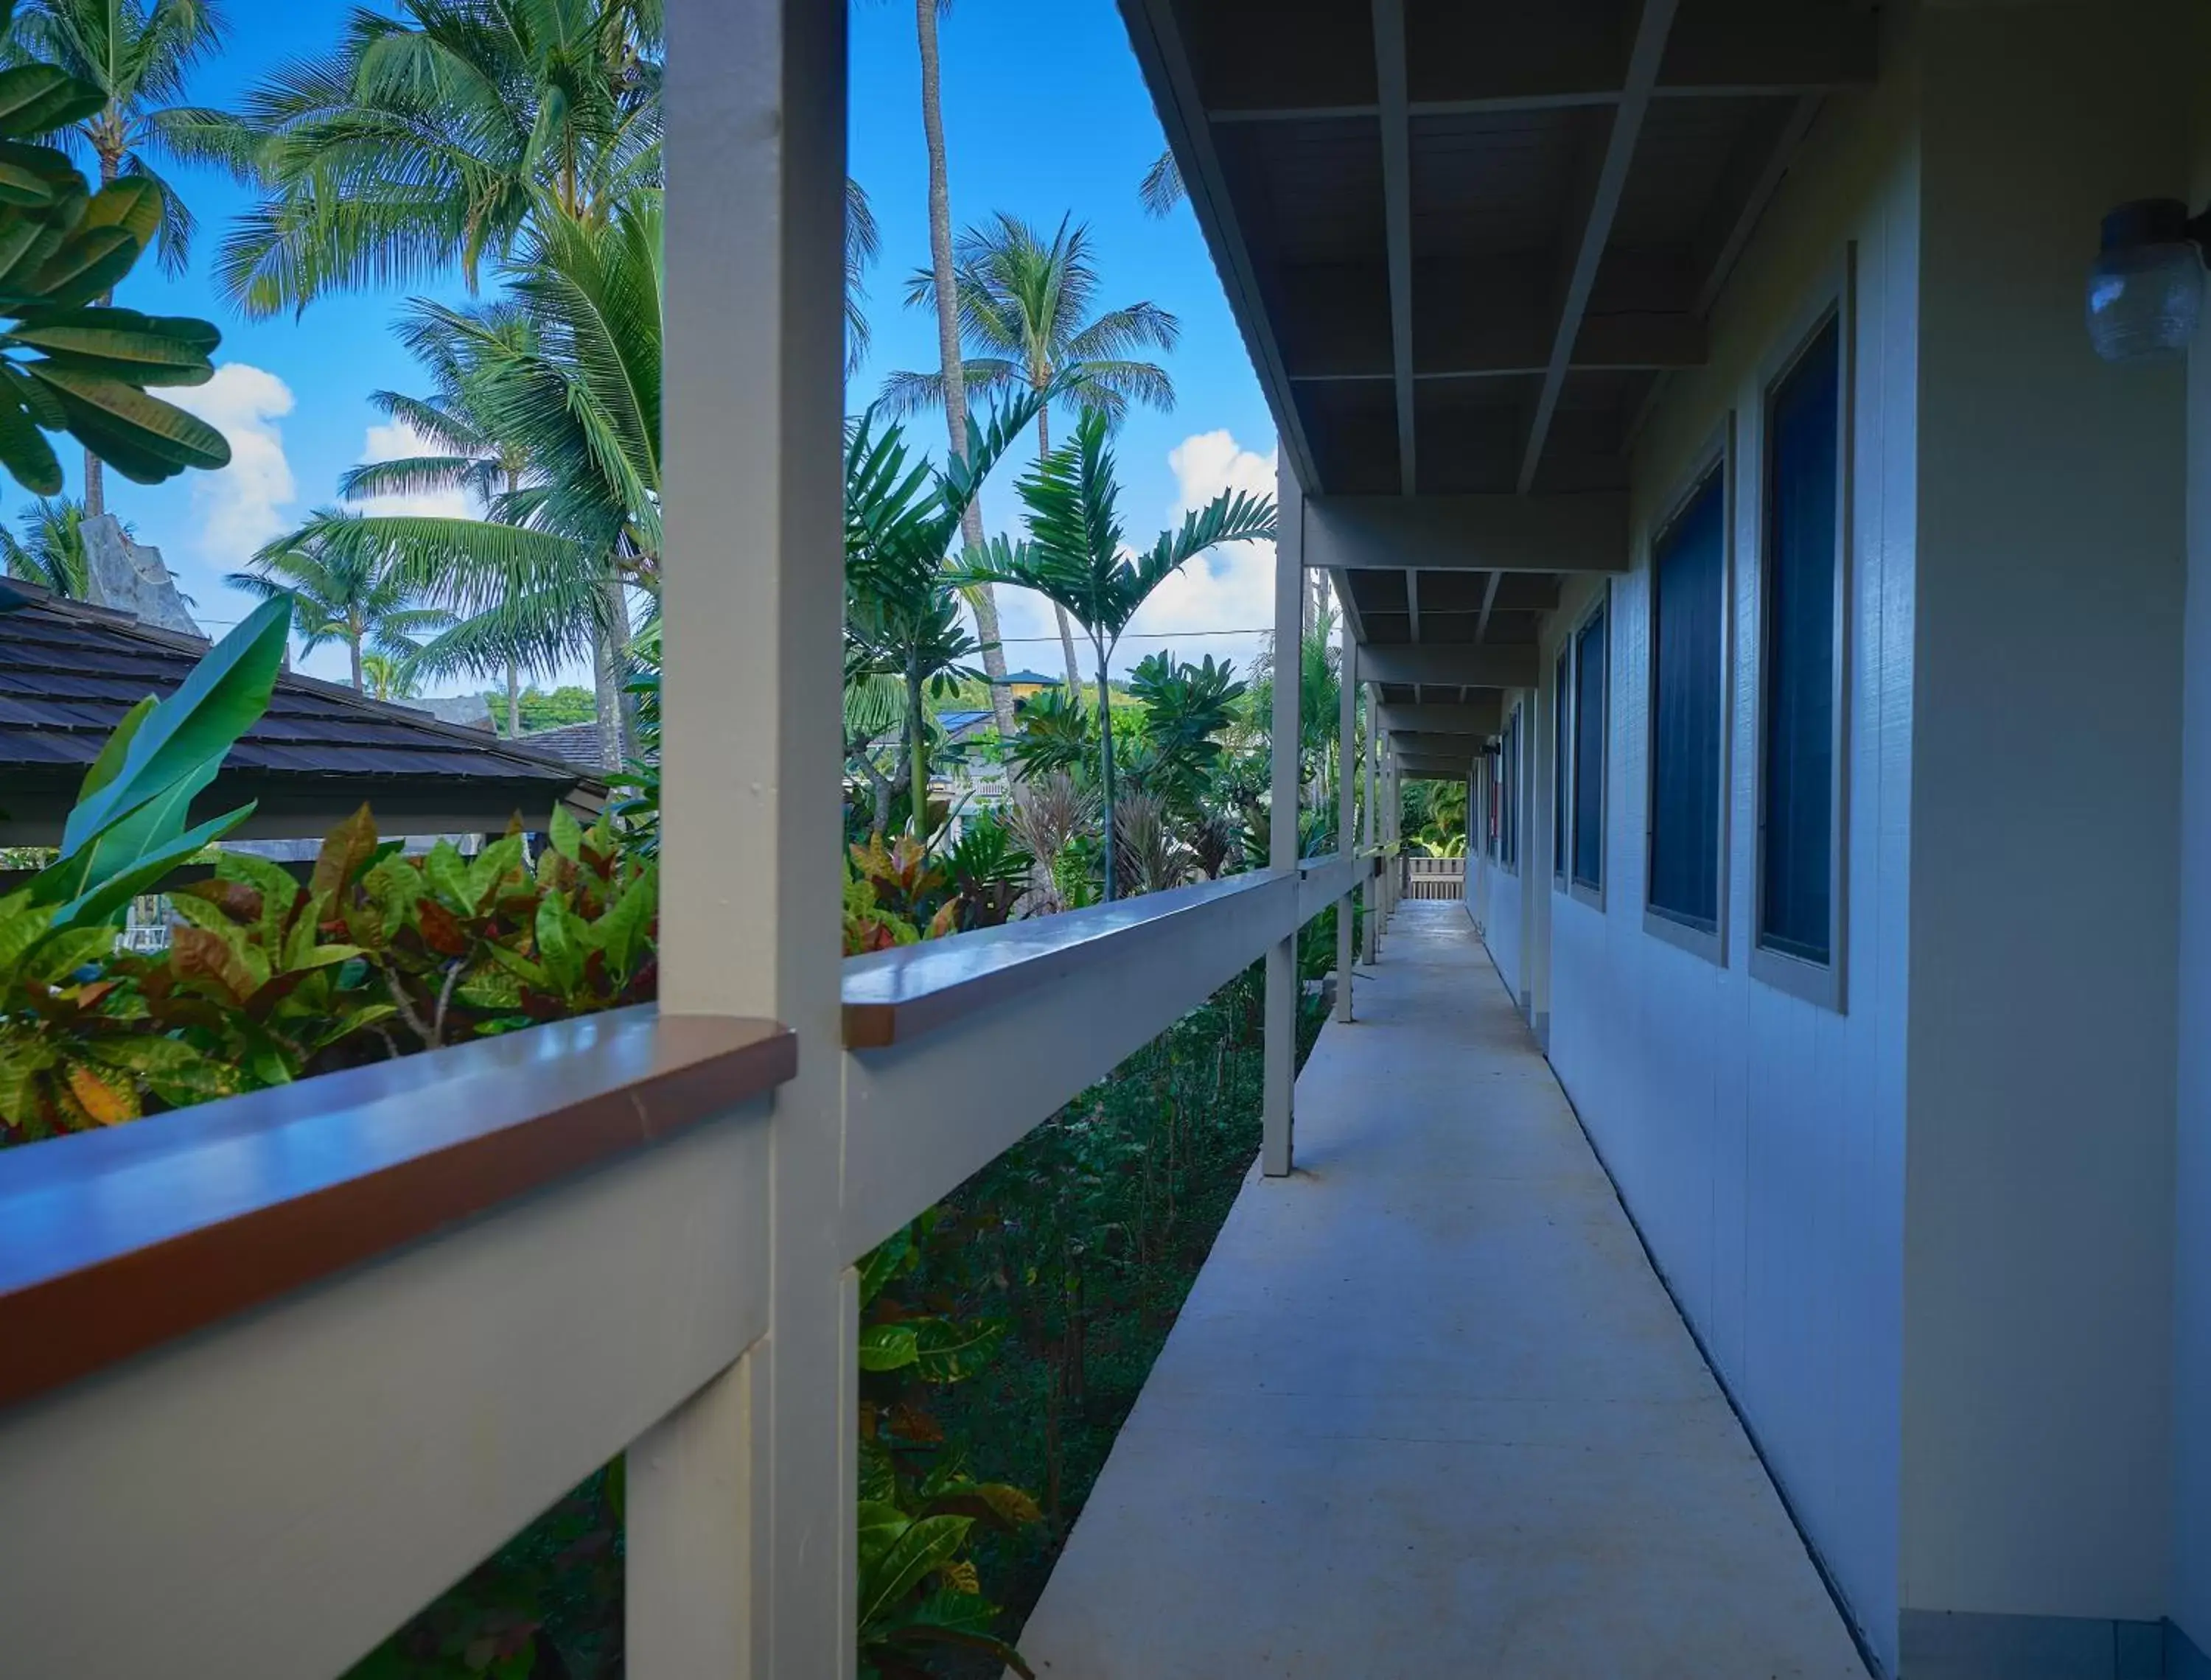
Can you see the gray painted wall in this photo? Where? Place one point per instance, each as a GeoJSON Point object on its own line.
{"type": "Point", "coordinates": [2038, 1248]}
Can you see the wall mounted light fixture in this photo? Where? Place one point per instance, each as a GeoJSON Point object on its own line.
{"type": "Point", "coordinates": [2146, 285]}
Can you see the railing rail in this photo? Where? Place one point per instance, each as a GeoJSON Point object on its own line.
{"type": "Point", "coordinates": [366, 1326]}
{"type": "Point", "coordinates": [329, 1346]}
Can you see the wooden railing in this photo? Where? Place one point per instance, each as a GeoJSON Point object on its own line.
{"type": "Point", "coordinates": [1432, 877]}
{"type": "Point", "coordinates": [278, 1369]}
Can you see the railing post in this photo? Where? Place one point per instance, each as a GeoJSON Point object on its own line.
{"type": "Point", "coordinates": [1281, 1051]}
{"type": "Point", "coordinates": [1371, 890]}
{"type": "Point", "coordinates": [740, 1505]}
{"type": "Point", "coordinates": [1347, 836]}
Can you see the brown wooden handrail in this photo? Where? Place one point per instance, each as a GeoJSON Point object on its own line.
{"type": "Point", "coordinates": [114, 1242]}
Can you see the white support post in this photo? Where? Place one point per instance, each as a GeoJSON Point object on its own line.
{"type": "Point", "coordinates": [1371, 892]}
{"type": "Point", "coordinates": [1281, 1052]}
{"type": "Point", "coordinates": [742, 1545]}
{"type": "Point", "coordinates": [1346, 836]}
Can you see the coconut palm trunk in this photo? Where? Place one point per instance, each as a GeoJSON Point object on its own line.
{"type": "Point", "coordinates": [513, 700]}
{"type": "Point", "coordinates": [611, 651]}
{"type": "Point", "coordinates": [982, 600]}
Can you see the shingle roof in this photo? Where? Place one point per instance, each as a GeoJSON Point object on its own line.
{"type": "Point", "coordinates": [576, 745]}
{"type": "Point", "coordinates": [69, 671]}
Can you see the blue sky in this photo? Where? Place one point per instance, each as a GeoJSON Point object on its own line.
{"type": "Point", "coordinates": [292, 395]}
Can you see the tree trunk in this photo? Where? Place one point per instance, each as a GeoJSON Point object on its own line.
{"type": "Point", "coordinates": [918, 724]}
{"type": "Point", "coordinates": [983, 601]}
{"type": "Point", "coordinates": [1106, 753]}
{"type": "Point", "coordinates": [352, 647]}
{"type": "Point", "coordinates": [95, 474]}
{"type": "Point", "coordinates": [609, 650]}
{"type": "Point", "coordinates": [513, 700]}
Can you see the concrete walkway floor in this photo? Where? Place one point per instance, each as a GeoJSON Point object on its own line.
{"type": "Point", "coordinates": [1428, 1411]}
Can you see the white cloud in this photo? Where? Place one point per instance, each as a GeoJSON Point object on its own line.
{"type": "Point", "coordinates": [398, 441]}
{"type": "Point", "coordinates": [1232, 588]}
{"type": "Point", "coordinates": [242, 506]}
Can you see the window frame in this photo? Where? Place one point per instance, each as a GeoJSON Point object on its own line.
{"type": "Point", "coordinates": [1824, 985]}
{"type": "Point", "coordinates": [1562, 758]}
{"type": "Point", "coordinates": [1591, 892]}
{"type": "Point", "coordinates": [1508, 779]}
{"type": "Point", "coordinates": [1717, 456]}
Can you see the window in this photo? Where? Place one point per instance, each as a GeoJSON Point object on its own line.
{"type": "Point", "coordinates": [1561, 760]}
{"type": "Point", "coordinates": [1508, 770]}
{"type": "Point", "coordinates": [1688, 593]}
{"type": "Point", "coordinates": [1799, 661]}
{"type": "Point", "coordinates": [1588, 753]}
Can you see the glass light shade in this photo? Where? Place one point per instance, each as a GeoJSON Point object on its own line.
{"type": "Point", "coordinates": [2145, 288]}
{"type": "Point", "coordinates": [2145, 301]}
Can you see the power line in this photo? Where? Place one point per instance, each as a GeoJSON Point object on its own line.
{"type": "Point", "coordinates": [1159, 635]}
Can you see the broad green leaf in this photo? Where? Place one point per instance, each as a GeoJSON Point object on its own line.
{"type": "Point", "coordinates": [447, 873]}
{"type": "Point", "coordinates": [38, 98]}
{"type": "Point", "coordinates": [133, 204]}
{"type": "Point", "coordinates": [491, 865]}
{"type": "Point", "coordinates": [159, 428]}
{"type": "Point", "coordinates": [25, 452]}
{"type": "Point", "coordinates": [566, 838]}
{"type": "Point", "coordinates": [90, 262]}
{"type": "Point", "coordinates": [106, 899]}
{"type": "Point", "coordinates": [559, 946]}
{"type": "Point", "coordinates": [887, 1347]}
{"type": "Point", "coordinates": [64, 951]}
{"type": "Point", "coordinates": [908, 1560]}
{"type": "Point", "coordinates": [195, 728]}
{"type": "Point", "coordinates": [21, 929]}
{"type": "Point", "coordinates": [346, 851]}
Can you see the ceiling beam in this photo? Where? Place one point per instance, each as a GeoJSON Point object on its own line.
{"type": "Point", "coordinates": [1164, 57]}
{"type": "Point", "coordinates": [1437, 665]}
{"type": "Point", "coordinates": [1654, 341]}
{"type": "Point", "coordinates": [1753, 176]}
{"type": "Point", "coordinates": [1494, 533]}
{"type": "Point", "coordinates": [1342, 585]}
{"type": "Point", "coordinates": [1488, 601]}
{"type": "Point", "coordinates": [1436, 770]}
{"type": "Point", "coordinates": [1424, 744]}
{"type": "Point", "coordinates": [1474, 718]}
{"type": "Point", "coordinates": [1398, 225]}
{"type": "Point", "coordinates": [1720, 48]}
{"type": "Point", "coordinates": [1643, 62]}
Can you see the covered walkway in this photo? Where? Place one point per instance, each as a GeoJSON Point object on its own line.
{"type": "Point", "coordinates": [1428, 1411]}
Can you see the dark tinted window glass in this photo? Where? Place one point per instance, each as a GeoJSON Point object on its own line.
{"type": "Point", "coordinates": [1561, 756]}
{"type": "Point", "coordinates": [1588, 753]}
{"type": "Point", "coordinates": [1801, 509]}
{"type": "Point", "coordinates": [1689, 578]}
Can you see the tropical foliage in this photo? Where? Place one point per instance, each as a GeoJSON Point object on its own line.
{"type": "Point", "coordinates": [1074, 557]}
{"type": "Point", "coordinates": [69, 362]}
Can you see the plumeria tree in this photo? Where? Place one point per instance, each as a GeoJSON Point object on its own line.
{"type": "Point", "coordinates": [1074, 557]}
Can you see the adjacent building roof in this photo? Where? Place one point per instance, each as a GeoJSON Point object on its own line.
{"type": "Point", "coordinates": [576, 745]}
{"type": "Point", "coordinates": [1035, 678]}
{"type": "Point", "coordinates": [69, 671]}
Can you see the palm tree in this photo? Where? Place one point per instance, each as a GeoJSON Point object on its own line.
{"type": "Point", "coordinates": [1025, 306]}
{"type": "Point", "coordinates": [433, 138]}
{"type": "Point", "coordinates": [863, 243]}
{"type": "Point", "coordinates": [545, 577]}
{"type": "Point", "coordinates": [51, 551]}
{"type": "Point", "coordinates": [1074, 557]}
{"type": "Point", "coordinates": [139, 57]}
{"type": "Point", "coordinates": [1162, 187]}
{"type": "Point", "coordinates": [341, 592]}
{"type": "Point", "coordinates": [458, 423]}
{"type": "Point", "coordinates": [981, 600]}
{"type": "Point", "coordinates": [390, 679]}
{"type": "Point", "coordinates": [901, 608]}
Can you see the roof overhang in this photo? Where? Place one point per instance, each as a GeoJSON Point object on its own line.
{"type": "Point", "coordinates": [1465, 241]}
